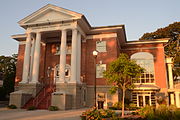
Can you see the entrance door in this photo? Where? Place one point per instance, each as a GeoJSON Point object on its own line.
{"type": "Point", "coordinates": [143, 100]}
{"type": "Point", "coordinates": [140, 101]}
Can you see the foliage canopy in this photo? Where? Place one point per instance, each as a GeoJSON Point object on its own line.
{"type": "Point", "coordinates": [7, 72]}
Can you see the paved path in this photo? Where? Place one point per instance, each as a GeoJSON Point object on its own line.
{"type": "Point", "coordinates": [20, 114]}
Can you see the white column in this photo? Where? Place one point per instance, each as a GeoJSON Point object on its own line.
{"type": "Point", "coordinates": [177, 100]}
{"type": "Point", "coordinates": [79, 58]}
{"type": "Point", "coordinates": [74, 57]}
{"type": "Point", "coordinates": [32, 57]}
{"type": "Point", "coordinates": [36, 61]}
{"type": "Point", "coordinates": [62, 66]}
{"type": "Point", "coordinates": [26, 59]}
{"type": "Point", "coordinates": [170, 74]}
{"type": "Point", "coordinates": [172, 99]}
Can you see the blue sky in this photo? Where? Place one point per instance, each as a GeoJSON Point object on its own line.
{"type": "Point", "coordinates": [138, 16]}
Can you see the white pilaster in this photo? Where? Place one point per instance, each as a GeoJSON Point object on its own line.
{"type": "Point", "coordinates": [177, 99]}
{"type": "Point", "coordinates": [74, 57]}
{"type": "Point", "coordinates": [79, 58]}
{"type": "Point", "coordinates": [26, 59]}
{"type": "Point", "coordinates": [62, 57]}
{"type": "Point", "coordinates": [32, 57]}
{"type": "Point", "coordinates": [36, 61]}
{"type": "Point", "coordinates": [170, 74]}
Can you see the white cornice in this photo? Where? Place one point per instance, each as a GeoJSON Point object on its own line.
{"type": "Point", "coordinates": [19, 37]}
{"type": "Point", "coordinates": [110, 35]}
{"type": "Point", "coordinates": [146, 42]}
{"type": "Point", "coordinates": [47, 8]}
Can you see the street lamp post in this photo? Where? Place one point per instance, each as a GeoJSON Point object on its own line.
{"type": "Point", "coordinates": [95, 53]}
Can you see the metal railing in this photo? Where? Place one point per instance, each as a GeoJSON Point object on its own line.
{"type": "Point", "coordinates": [43, 94]}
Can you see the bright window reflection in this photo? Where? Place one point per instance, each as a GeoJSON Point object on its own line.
{"type": "Point", "coordinates": [146, 61]}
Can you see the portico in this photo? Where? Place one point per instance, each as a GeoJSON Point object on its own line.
{"type": "Point", "coordinates": [32, 56]}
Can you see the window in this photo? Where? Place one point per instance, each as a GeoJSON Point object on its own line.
{"type": "Point", "coordinates": [58, 49]}
{"type": "Point", "coordinates": [67, 71]}
{"type": "Point", "coordinates": [101, 46]}
{"type": "Point", "coordinates": [100, 68]}
{"type": "Point", "coordinates": [146, 61]}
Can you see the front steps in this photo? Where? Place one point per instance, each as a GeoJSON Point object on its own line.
{"type": "Point", "coordinates": [42, 100]}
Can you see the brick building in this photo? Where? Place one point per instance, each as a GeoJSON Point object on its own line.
{"type": "Point", "coordinates": [56, 65]}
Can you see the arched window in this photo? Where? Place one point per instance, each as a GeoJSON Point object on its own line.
{"type": "Point", "coordinates": [145, 60]}
{"type": "Point", "coordinates": [67, 71]}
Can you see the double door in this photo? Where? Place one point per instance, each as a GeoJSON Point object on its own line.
{"type": "Point", "coordinates": [143, 100]}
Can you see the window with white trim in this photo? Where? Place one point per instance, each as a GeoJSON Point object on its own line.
{"type": "Point", "coordinates": [67, 71]}
{"type": "Point", "coordinates": [146, 61]}
{"type": "Point", "coordinates": [58, 49]}
{"type": "Point", "coordinates": [100, 68]}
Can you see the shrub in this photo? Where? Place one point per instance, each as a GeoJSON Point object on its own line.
{"type": "Point", "coordinates": [95, 114]}
{"type": "Point", "coordinates": [177, 115]}
{"type": "Point", "coordinates": [128, 106]}
{"type": "Point", "coordinates": [163, 112]}
{"type": "Point", "coordinates": [118, 105]}
{"type": "Point", "coordinates": [53, 108]}
{"type": "Point", "coordinates": [12, 106]}
{"type": "Point", "coordinates": [132, 106]}
{"type": "Point", "coordinates": [147, 112]}
{"type": "Point", "coordinates": [31, 108]}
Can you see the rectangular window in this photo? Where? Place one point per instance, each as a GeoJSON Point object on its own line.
{"type": "Point", "coordinates": [100, 68]}
{"type": "Point", "coordinates": [101, 46]}
{"type": "Point", "coordinates": [58, 49]}
{"type": "Point", "coordinates": [148, 75]}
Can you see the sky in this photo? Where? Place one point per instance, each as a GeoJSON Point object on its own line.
{"type": "Point", "coordinates": [138, 16]}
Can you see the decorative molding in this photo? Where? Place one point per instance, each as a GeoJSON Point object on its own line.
{"type": "Point", "coordinates": [145, 42]}
{"type": "Point", "coordinates": [100, 36]}
{"type": "Point", "coordinates": [149, 48]}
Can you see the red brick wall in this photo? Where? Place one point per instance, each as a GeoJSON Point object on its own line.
{"type": "Point", "coordinates": [19, 65]}
{"type": "Point", "coordinates": [105, 57]}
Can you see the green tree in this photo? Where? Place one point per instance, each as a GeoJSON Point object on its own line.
{"type": "Point", "coordinates": [122, 73]}
{"type": "Point", "coordinates": [8, 72]}
{"type": "Point", "coordinates": [172, 48]}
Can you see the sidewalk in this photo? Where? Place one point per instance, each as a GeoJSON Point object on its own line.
{"type": "Point", "coordinates": [21, 114]}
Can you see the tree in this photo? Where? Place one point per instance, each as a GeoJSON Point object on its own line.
{"type": "Point", "coordinates": [172, 48]}
{"type": "Point", "coordinates": [166, 32]}
{"type": "Point", "coordinates": [8, 72]}
{"type": "Point", "coordinates": [122, 73]}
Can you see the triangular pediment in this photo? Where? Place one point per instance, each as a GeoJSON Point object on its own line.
{"type": "Point", "coordinates": [49, 13]}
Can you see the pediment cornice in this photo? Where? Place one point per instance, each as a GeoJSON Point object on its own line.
{"type": "Point", "coordinates": [49, 13]}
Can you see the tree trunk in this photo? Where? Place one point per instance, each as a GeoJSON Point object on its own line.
{"type": "Point", "coordinates": [123, 101]}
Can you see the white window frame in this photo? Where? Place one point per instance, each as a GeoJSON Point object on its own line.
{"type": "Point", "coordinates": [149, 75]}
{"type": "Point", "coordinates": [100, 68]}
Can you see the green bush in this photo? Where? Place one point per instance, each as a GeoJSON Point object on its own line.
{"type": "Point", "coordinates": [176, 115]}
{"type": "Point", "coordinates": [31, 108]}
{"type": "Point", "coordinates": [12, 106]}
{"type": "Point", "coordinates": [127, 106]}
{"type": "Point", "coordinates": [163, 112]}
{"type": "Point", "coordinates": [95, 114]}
{"type": "Point", "coordinates": [147, 112]}
{"type": "Point", "coordinates": [132, 106]}
{"type": "Point", "coordinates": [53, 108]}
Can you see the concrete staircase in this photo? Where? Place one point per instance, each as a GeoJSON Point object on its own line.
{"type": "Point", "coordinates": [42, 100]}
